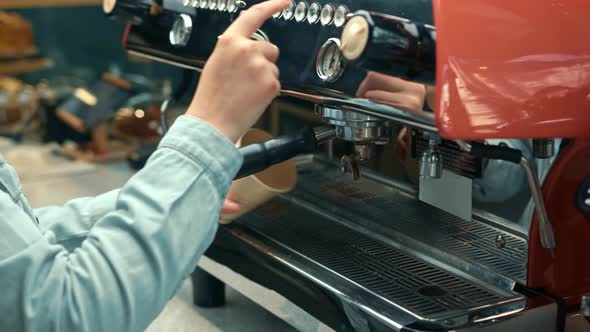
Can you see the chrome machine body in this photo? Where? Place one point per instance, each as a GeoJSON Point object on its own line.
{"type": "Point", "coordinates": [379, 253]}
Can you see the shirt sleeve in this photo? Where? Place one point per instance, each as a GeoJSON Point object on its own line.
{"type": "Point", "coordinates": [135, 257]}
{"type": "Point", "coordinates": [74, 219]}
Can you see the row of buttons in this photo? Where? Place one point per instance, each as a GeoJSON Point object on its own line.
{"type": "Point", "coordinates": [300, 11]}
{"type": "Point", "coordinates": [314, 13]}
{"type": "Point", "coordinates": [231, 6]}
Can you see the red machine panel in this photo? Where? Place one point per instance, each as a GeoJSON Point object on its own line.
{"type": "Point", "coordinates": [513, 69]}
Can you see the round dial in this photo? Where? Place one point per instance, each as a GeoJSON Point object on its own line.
{"type": "Point", "coordinates": [232, 7]}
{"type": "Point", "coordinates": [203, 4]}
{"type": "Point", "coordinates": [212, 4]}
{"type": "Point", "coordinates": [301, 11]}
{"type": "Point", "coordinates": [340, 16]}
{"type": "Point", "coordinates": [330, 63]}
{"type": "Point", "coordinates": [289, 11]}
{"type": "Point", "coordinates": [313, 14]}
{"type": "Point", "coordinates": [181, 30]}
{"type": "Point", "coordinates": [327, 15]}
{"type": "Point", "coordinates": [221, 5]}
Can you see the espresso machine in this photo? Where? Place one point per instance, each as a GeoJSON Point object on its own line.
{"type": "Point", "coordinates": [488, 227]}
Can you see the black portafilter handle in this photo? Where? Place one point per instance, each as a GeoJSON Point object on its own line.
{"type": "Point", "coordinates": [260, 156]}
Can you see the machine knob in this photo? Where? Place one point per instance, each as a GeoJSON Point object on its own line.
{"type": "Point", "coordinates": [181, 30]}
{"type": "Point", "coordinates": [133, 11]}
{"type": "Point", "coordinates": [391, 45]}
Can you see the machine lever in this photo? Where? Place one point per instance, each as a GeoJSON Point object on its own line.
{"type": "Point", "coordinates": [546, 233]}
{"type": "Point", "coordinates": [260, 156]}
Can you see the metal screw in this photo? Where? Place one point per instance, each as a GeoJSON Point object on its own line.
{"type": "Point", "coordinates": [241, 4]}
{"type": "Point", "coordinates": [500, 242]}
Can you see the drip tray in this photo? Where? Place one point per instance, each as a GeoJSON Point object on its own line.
{"type": "Point", "coordinates": [372, 271]}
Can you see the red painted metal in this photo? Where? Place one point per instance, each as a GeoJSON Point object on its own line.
{"type": "Point", "coordinates": [567, 275]}
{"type": "Point", "coordinates": [513, 69]}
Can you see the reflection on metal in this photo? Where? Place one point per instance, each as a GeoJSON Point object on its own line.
{"type": "Point", "coordinates": [350, 163]}
{"type": "Point", "coordinates": [546, 233]}
{"type": "Point", "coordinates": [356, 127]}
{"type": "Point", "coordinates": [180, 33]}
{"type": "Point", "coordinates": [543, 148]}
{"type": "Point", "coordinates": [431, 163]}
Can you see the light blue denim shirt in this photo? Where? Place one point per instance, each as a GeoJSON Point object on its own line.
{"type": "Point", "coordinates": [140, 242]}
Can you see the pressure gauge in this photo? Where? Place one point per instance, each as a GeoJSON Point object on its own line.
{"type": "Point", "coordinates": [181, 30]}
{"type": "Point", "coordinates": [330, 63]}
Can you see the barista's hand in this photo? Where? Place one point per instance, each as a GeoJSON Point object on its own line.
{"type": "Point", "coordinates": [240, 78]}
{"type": "Point", "coordinates": [404, 95]}
{"type": "Point", "coordinates": [230, 206]}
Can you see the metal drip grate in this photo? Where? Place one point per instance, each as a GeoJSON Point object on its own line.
{"type": "Point", "coordinates": [421, 288]}
{"type": "Point", "coordinates": [370, 203]}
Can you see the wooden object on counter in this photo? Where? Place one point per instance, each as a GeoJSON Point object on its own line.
{"type": "Point", "coordinates": [13, 4]}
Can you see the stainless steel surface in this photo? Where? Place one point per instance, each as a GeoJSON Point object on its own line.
{"type": "Point", "coordinates": [241, 4]}
{"type": "Point", "coordinates": [546, 233]}
{"type": "Point", "coordinates": [327, 14]}
{"type": "Point", "coordinates": [356, 127]}
{"type": "Point", "coordinates": [393, 212]}
{"type": "Point", "coordinates": [181, 30]}
{"type": "Point", "coordinates": [431, 162]}
{"type": "Point", "coordinates": [585, 306]}
{"type": "Point", "coordinates": [221, 5]}
{"type": "Point", "coordinates": [371, 274]}
{"type": "Point", "coordinates": [543, 148]}
{"type": "Point", "coordinates": [204, 3]}
{"type": "Point", "coordinates": [212, 4]}
{"type": "Point", "coordinates": [324, 134]}
{"type": "Point", "coordinates": [451, 193]}
{"type": "Point", "coordinates": [232, 6]}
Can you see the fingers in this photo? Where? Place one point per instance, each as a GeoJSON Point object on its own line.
{"type": "Point", "coordinates": [230, 207]}
{"type": "Point", "coordinates": [270, 51]}
{"type": "Point", "coordinates": [252, 19]}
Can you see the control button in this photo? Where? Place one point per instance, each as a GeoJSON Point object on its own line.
{"type": "Point", "coordinates": [181, 30]}
{"type": "Point", "coordinates": [301, 11]}
{"type": "Point", "coordinates": [221, 5]}
{"type": "Point", "coordinates": [341, 16]}
{"type": "Point", "coordinates": [327, 15]}
{"type": "Point", "coordinates": [212, 4]}
{"type": "Point", "coordinates": [232, 7]}
{"type": "Point", "coordinates": [313, 14]}
{"type": "Point", "coordinates": [203, 4]}
{"type": "Point", "coordinates": [355, 38]}
{"type": "Point", "coordinates": [289, 12]}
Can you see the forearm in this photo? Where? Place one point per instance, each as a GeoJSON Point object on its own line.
{"type": "Point", "coordinates": [135, 256]}
{"type": "Point", "coordinates": [75, 218]}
